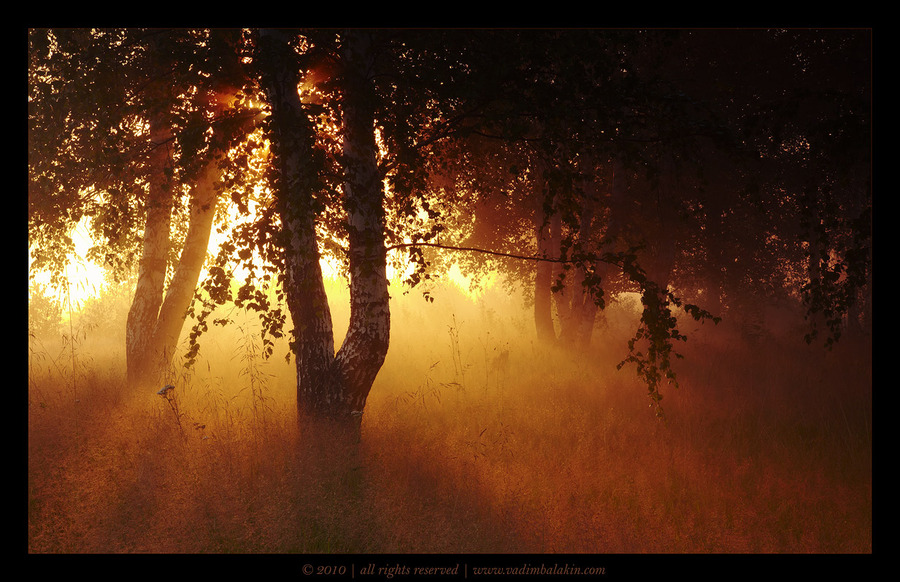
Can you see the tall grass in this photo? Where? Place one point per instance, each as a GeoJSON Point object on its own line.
{"type": "Point", "coordinates": [475, 439]}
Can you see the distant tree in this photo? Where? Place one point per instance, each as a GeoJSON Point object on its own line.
{"type": "Point", "coordinates": [552, 108]}
{"type": "Point", "coordinates": [786, 203]}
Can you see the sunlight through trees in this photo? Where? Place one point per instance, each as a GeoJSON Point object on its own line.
{"type": "Point", "coordinates": [574, 166]}
{"type": "Point", "coordinates": [319, 291]}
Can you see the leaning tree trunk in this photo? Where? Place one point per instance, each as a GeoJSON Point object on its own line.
{"type": "Point", "coordinates": [181, 288]}
{"type": "Point", "coordinates": [148, 295]}
{"type": "Point", "coordinates": [154, 323]}
{"type": "Point", "coordinates": [296, 184]}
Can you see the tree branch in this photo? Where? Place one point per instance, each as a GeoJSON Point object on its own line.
{"type": "Point", "coordinates": [605, 258]}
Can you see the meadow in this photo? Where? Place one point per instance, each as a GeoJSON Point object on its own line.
{"type": "Point", "coordinates": [475, 439]}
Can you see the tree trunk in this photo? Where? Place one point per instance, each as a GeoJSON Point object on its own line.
{"type": "Point", "coordinates": [297, 183]}
{"type": "Point", "coordinates": [329, 386]}
{"type": "Point", "coordinates": [154, 324]}
{"type": "Point", "coordinates": [184, 281]}
{"type": "Point", "coordinates": [148, 294]}
{"type": "Point", "coordinates": [543, 279]}
{"type": "Point", "coordinates": [817, 257]}
{"type": "Point", "coordinates": [366, 343]}
{"type": "Point", "coordinates": [584, 308]}
{"type": "Point", "coordinates": [575, 306]}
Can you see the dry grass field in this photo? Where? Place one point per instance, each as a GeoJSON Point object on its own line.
{"type": "Point", "coordinates": [474, 440]}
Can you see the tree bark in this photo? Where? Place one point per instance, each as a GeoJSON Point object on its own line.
{"type": "Point", "coordinates": [148, 294]}
{"type": "Point", "coordinates": [817, 253]}
{"type": "Point", "coordinates": [297, 181]}
{"type": "Point", "coordinates": [155, 323]}
{"type": "Point", "coordinates": [368, 336]}
{"type": "Point", "coordinates": [181, 288]}
{"type": "Point", "coordinates": [330, 386]}
{"type": "Point", "coordinates": [543, 279]}
{"type": "Point", "coordinates": [575, 306]}
{"type": "Point", "coordinates": [583, 306]}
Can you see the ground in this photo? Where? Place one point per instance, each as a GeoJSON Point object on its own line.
{"type": "Point", "coordinates": [765, 449]}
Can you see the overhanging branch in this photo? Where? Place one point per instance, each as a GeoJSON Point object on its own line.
{"type": "Point", "coordinates": [605, 258]}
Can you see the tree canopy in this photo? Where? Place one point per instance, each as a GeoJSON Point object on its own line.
{"type": "Point", "coordinates": [710, 171]}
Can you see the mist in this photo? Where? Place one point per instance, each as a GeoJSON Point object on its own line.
{"type": "Point", "coordinates": [476, 438]}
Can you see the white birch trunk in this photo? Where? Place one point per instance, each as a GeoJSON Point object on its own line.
{"type": "Point", "coordinates": [181, 288]}
{"type": "Point", "coordinates": [331, 386]}
{"type": "Point", "coordinates": [292, 142]}
{"type": "Point", "coordinates": [148, 294]}
{"type": "Point", "coordinates": [368, 336]}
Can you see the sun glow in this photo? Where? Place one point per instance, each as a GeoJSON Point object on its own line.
{"type": "Point", "coordinates": [83, 279]}
{"type": "Point", "coordinates": [467, 285]}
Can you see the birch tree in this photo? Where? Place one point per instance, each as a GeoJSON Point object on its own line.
{"type": "Point", "coordinates": [329, 385]}
{"type": "Point", "coordinates": [127, 128]}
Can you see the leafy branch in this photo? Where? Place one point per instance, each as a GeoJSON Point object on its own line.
{"type": "Point", "coordinates": [835, 279]}
{"type": "Point", "coordinates": [657, 332]}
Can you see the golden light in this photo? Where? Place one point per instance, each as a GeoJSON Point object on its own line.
{"type": "Point", "coordinates": [465, 283]}
{"type": "Point", "coordinates": [84, 279]}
